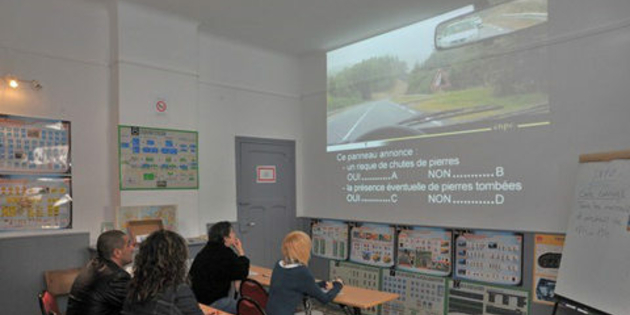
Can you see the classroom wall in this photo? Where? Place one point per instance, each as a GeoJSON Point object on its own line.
{"type": "Point", "coordinates": [69, 55]}
{"type": "Point", "coordinates": [157, 59]}
{"type": "Point", "coordinates": [243, 91]}
{"type": "Point", "coordinates": [107, 63]}
{"type": "Point", "coordinates": [24, 260]}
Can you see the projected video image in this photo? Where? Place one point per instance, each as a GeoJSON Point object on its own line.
{"type": "Point", "coordinates": [471, 70]}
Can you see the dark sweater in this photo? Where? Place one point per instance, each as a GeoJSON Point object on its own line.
{"type": "Point", "coordinates": [213, 270]}
{"type": "Point", "coordinates": [172, 301]}
{"type": "Point", "coordinates": [288, 287]}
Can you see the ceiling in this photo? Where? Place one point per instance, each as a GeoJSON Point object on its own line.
{"type": "Point", "coordinates": [298, 27]}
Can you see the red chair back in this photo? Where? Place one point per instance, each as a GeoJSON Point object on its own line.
{"type": "Point", "coordinates": [254, 290]}
{"type": "Point", "coordinates": [247, 306]}
{"type": "Point", "coordinates": [48, 304]}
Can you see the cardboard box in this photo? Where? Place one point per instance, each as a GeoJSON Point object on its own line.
{"type": "Point", "coordinates": [139, 230]}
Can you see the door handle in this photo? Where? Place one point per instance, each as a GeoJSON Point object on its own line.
{"type": "Point", "coordinates": [243, 203]}
{"type": "Point", "coordinates": [250, 224]}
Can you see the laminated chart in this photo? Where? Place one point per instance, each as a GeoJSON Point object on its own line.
{"type": "Point", "coordinates": [168, 214]}
{"type": "Point", "coordinates": [419, 294]}
{"type": "Point", "coordinates": [153, 158]}
{"type": "Point", "coordinates": [330, 239]}
{"type": "Point", "coordinates": [425, 250]}
{"type": "Point", "coordinates": [29, 202]}
{"type": "Point", "coordinates": [476, 299]}
{"type": "Point", "coordinates": [492, 257]}
{"type": "Point", "coordinates": [34, 146]}
{"type": "Point", "coordinates": [373, 244]}
{"type": "Point", "coordinates": [357, 275]}
{"type": "Point", "coordinates": [547, 256]}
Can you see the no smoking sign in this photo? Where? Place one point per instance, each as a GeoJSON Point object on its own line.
{"type": "Point", "coordinates": [160, 106]}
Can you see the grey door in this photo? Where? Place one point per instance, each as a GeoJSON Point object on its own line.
{"type": "Point", "coordinates": [265, 184]}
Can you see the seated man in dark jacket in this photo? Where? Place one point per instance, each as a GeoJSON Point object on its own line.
{"type": "Point", "coordinates": [101, 287]}
{"type": "Point", "coordinates": [219, 263]}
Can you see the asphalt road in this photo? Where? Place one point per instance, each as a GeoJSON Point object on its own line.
{"type": "Point", "coordinates": [350, 124]}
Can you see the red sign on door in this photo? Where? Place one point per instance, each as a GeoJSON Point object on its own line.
{"type": "Point", "coordinates": [265, 174]}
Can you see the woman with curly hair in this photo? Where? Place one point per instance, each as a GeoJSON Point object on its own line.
{"type": "Point", "coordinates": [159, 284]}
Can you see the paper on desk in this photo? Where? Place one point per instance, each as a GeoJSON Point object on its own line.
{"type": "Point", "coordinates": [253, 273]}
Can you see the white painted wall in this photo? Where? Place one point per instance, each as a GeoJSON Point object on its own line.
{"type": "Point", "coordinates": [69, 55]}
{"type": "Point", "coordinates": [243, 91]}
{"type": "Point", "coordinates": [220, 88]}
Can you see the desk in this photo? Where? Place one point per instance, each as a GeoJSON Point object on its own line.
{"type": "Point", "coordinates": [208, 310]}
{"type": "Point", "coordinates": [350, 296]}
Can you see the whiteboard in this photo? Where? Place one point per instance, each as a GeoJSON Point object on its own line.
{"type": "Point", "coordinates": [595, 267]}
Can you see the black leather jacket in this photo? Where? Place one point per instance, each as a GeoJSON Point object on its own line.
{"type": "Point", "coordinates": [100, 289]}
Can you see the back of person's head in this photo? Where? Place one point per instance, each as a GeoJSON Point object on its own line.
{"type": "Point", "coordinates": [159, 264]}
{"type": "Point", "coordinates": [219, 231]}
{"type": "Point", "coordinates": [108, 241]}
{"type": "Point", "coordinates": [296, 247]}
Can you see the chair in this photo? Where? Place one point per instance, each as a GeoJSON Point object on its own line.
{"type": "Point", "coordinates": [48, 304]}
{"type": "Point", "coordinates": [247, 306]}
{"type": "Point", "coordinates": [58, 283]}
{"type": "Point", "coordinates": [254, 290]}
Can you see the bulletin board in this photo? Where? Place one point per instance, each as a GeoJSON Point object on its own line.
{"type": "Point", "coordinates": [330, 239]}
{"type": "Point", "coordinates": [167, 213]}
{"type": "Point", "coordinates": [418, 294]}
{"type": "Point", "coordinates": [152, 158]}
{"type": "Point", "coordinates": [373, 244]}
{"type": "Point", "coordinates": [30, 202]}
{"type": "Point", "coordinates": [493, 257]}
{"type": "Point", "coordinates": [426, 250]}
{"type": "Point", "coordinates": [34, 145]}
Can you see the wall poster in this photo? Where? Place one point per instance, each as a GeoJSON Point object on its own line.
{"type": "Point", "coordinates": [30, 202]}
{"type": "Point", "coordinates": [34, 145]}
{"type": "Point", "coordinates": [494, 257]}
{"type": "Point", "coordinates": [330, 239]}
{"type": "Point", "coordinates": [357, 275]}
{"type": "Point", "coordinates": [418, 294]}
{"type": "Point", "coordinates": [547, 256]}
{"type": "Point", "coordinates": [152, 158]}
{"type": "Point", "coordinates": [168, 214]}
{"type": "Point", "coordinates": [373, 244]}
{"type": "Point", "coordinates": [478, 299]}
{"type": "Point", "coordinates": [426, 250]}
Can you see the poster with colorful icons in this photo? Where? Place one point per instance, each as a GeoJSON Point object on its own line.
{"type": "Point", "coordinates": [34, 145]}
{"type": "Point", "coordinates": [494, 257]}
{"type": "Point", "coordinates": [167, 213]}
{"type": "Point", "coordinates": [418, 294]}
{"type": "Point", "coordinates": [426, 250]}
{"type": "Point", "coordinates": [152, 158]}
{"type": "Point", "coordinates": [547, 256]}
{"type": "Point", "coordinates": [32, 202]}
{"type": "Point", "coordinates": [330, 239]}
{"type": "Point", "coordinates": [372, 244]}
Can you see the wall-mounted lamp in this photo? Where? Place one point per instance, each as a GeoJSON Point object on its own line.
{"type": "Point", "coordinates": [14, 82]}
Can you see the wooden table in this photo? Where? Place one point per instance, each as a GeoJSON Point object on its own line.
{"type": "Point", "coordinates": [208, 310]}
{"type": "Point", "coordinates": [349, 297]}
